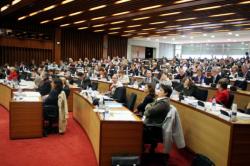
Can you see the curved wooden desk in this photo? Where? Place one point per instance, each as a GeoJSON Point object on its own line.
{"type": "Point", "coordinates": [5, 96]}
{"type": "Point", "coordinates": [108, 137]}
{"type": "Point", "coordinates": [224, 142]}
{"type": "Point", "coordinates": [241, 98]}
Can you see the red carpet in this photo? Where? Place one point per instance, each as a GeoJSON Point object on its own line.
{"type": "Point", "coordinates": [73, 148]}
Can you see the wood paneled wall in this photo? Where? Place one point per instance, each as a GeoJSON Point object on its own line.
{"type": "Point", "coordinates": [117, 46]}
{"type": "Point", "coordinates": [78, 44]}
{"type": "Point", "coordinates": [17, 54]}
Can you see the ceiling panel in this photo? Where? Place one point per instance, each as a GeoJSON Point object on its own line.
{"type": "Point", "coordinates": [215, 14]}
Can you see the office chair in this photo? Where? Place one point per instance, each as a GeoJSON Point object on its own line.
{"type": "Point", "coordinates": [120, 95]}
{"type": "Point", "coordinates": [230, 101]}
{"type": "Point", "coordinates": [50, 115]}
{"type": "Point", "coordinates": [201, 94]}
{"type": "Point", "coordinates": [94, 85]}
{"type": "Point", "coordinates": [241, 84]}
{"type": "Point", "coordinates": [131, 101]}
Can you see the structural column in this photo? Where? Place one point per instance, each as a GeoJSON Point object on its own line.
{"type": "Point", "coordinates": [57, 45]}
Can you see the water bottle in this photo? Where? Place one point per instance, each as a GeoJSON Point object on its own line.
{"type": "Point", "coordinates": [234, 113]}
{"type": "Point", "coordinates": [213, 105]}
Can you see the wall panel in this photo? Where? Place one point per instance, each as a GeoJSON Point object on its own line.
{"type": "Point", "coordinates": [78, 44]}
{"type": "Point", "coordinates": [17, 54]}
{"type": "Point", "coordinates": [117, 46]}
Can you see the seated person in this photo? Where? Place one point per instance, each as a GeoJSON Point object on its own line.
{"type": "Point", "coordinates": [214, 78]}
{"type": "Point", "coordinates": [83, 81]}
{"type": "Point", "coordinates": [66, 88]}
{"type": "Point", "coordinates": [199, 78]}
{"type": "Point", "coordinates": [13, 76]}
{"type": "Point", "coordinates": [181, 74]}
{"type": "Point", "coordinates": [115, 84]}
{"type": "Point", "coordinates": [102, 74]}
{"type": "Point", "coordinates": [52, 100]}
{"type": "Point", "coordinates": [44, 86]}
{"type": "Point", "coordinates": [234, 72]}
{"type": "Point", "coordinates": [245, 72]}
{"type": "Point", "coordinates": [155, 113]}
{"type": "Point", "coordinates": [222, 94]}
{"type": "Point", "coordinates": [133, 71]}
{"type": "Point", "coordinates": [122, 77]}
{"type": "Point", "coordinates": [149, 79]}
{"type": "Point", "coordinates": [187, 87]}
{"type": "Point", "coordinates": [166, 79]}
{"type": "Point", "coordinates": [150, 91]}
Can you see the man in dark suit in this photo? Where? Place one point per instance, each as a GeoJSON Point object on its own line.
{"type": "Point", "coordinates": [215, 77]}
{"type": "Point", "coordinates": [149, 79]}
{"type": "Point", "coordinates": [83, 81]}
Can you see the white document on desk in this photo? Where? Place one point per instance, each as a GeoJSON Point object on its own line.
{"type": "Point", "coordinates": [121, 115]}
{"type": "Point", "coordinates": [112, 104]}
{"type": "Point", "coordinates": [28, 99]}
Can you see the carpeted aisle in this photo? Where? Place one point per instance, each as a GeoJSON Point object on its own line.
{"type": "Point", "coordinates": [72, 148]}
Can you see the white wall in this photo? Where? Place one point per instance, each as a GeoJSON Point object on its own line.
{"type": "Point", "coordinates": [166, 50]}
{"type": "Point", "coordinates": [161, 49]}
{"type": "Point", "coordinates": [134, 42]}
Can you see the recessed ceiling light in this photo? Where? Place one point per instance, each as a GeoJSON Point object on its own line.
{"type": "Point", "coordinates": [191, 37]}
{"type": "Point", "coordinates": [117, 22]}
{"type": "Point", "coordinates": [99, 25]}
{"type": "Point", "coordinates": [183, 36]}
{"type": "Point", "coordinates": [34, 13]}
{"type": "Point", "coordinates": [100, 30]}
{"type": "Point", "coordinates": [132, 26]}
{"type": "Point", "coordinates": [113, 33]}
{"type": "Point", "coordinates": [82, 28]}
{"type": "Point", "coordinates": [164, 37]}
{"type": "Point", "coordinates": [230, 33]}
{"type": "Point", "coordinates": [244, 2]}
{"type": "Point", "coordinates": [43, 22]}
{"type": "Point", "coordinates": [150, 7]}
{"type": "Point", "coordinates": [148, 29]}
{"type": "Point", "coordinates": [121, 13]}
{"type": "Point", "coordinates": [15, 2]}
{"type": "Point", "coordinates": [212, 36]}
{"type": "Point", "coordinates": [66, 1]}
{"type": "Point", "coordinates": [207, 8]}
{"type": "Point", "coordinates": [239, 25]}
{"type": "Point", "coordinates": [58, 18]}
{"type": "Point", "coordinates": [21, 18]}
{"type": "Point", "coordinates": [64, 25]}
{"type": "Point", "coordinates": [222, 30]}
{"type": "Point", "coordinates": [148, 38]}
{"type": "Point", "coordinates": [174, 26]}
{"type": "Point", "coordinates": [97, 7]}
{"type": "Point", "coordinates": [127, 35]}
{"type": "Point", "coordinates": [162, 32]}
{"type": "Point", "coordinates": [79, 22]}
{"type": "Point", "coordinates": [143, 33]}
{"type": "Point", "coordinates": [238, 19]}
{"type": "Point", "coordinates": [49, 8]}
{"type": "Point", "coordinates": [98, 18]}
{"type": "Point", "coordinates": [186, 19]}
{"type": "Point", "coordinates": [169, 14]}
{"type": "Point", "coordinates": [221, 15]}
{"type": "Point", "coordinates": [130, 31]}
{"type": "Point", "coordinates": [237, 35]}
{"type": "Point", "coordinates": [140, 18]}
{"type": "Point", "coordinates": [121, 1]}
{"type": "Point", "coordinates": [160, 22]}
{"type": "Point", "coordinates": [212, 27]}
{"type": "Point", "coordinates": [200, 23]}
{"type": "Point", "coordinates": [114, 28]}
{"type": "Point", "coordinates": [75, 13]}
{"type": "Point", "coordinates": [4, 8]}
{"type": "Point", "coordinates": [182, 1]}
{"type": "Point", "coordinates": [204, 34]}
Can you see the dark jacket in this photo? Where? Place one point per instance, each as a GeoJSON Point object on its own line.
{"type": "Point", "coordinates": [156, 112]}
{"type": "Point", "coordinates": [141, 107]}
{"type": "Point", "coordinates": [198, 80]}
{"type": "Point", "coordinates": [52, 98]}
{"type": "Point", "coordinates": [44, 87]}
{"type": "Point", "coordinates": [210, 80]}
{"type": "Point", "coordinates": [187, 91]}
{"type": "Point", "coordinates": [66, 89]}
{"type": "Point", "coordinates": [84, 83]}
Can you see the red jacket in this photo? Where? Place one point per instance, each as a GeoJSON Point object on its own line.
{"type": "Point", "coordinates": [13, 76]}
{"type": "Point", "coordinates": [222, 97]}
